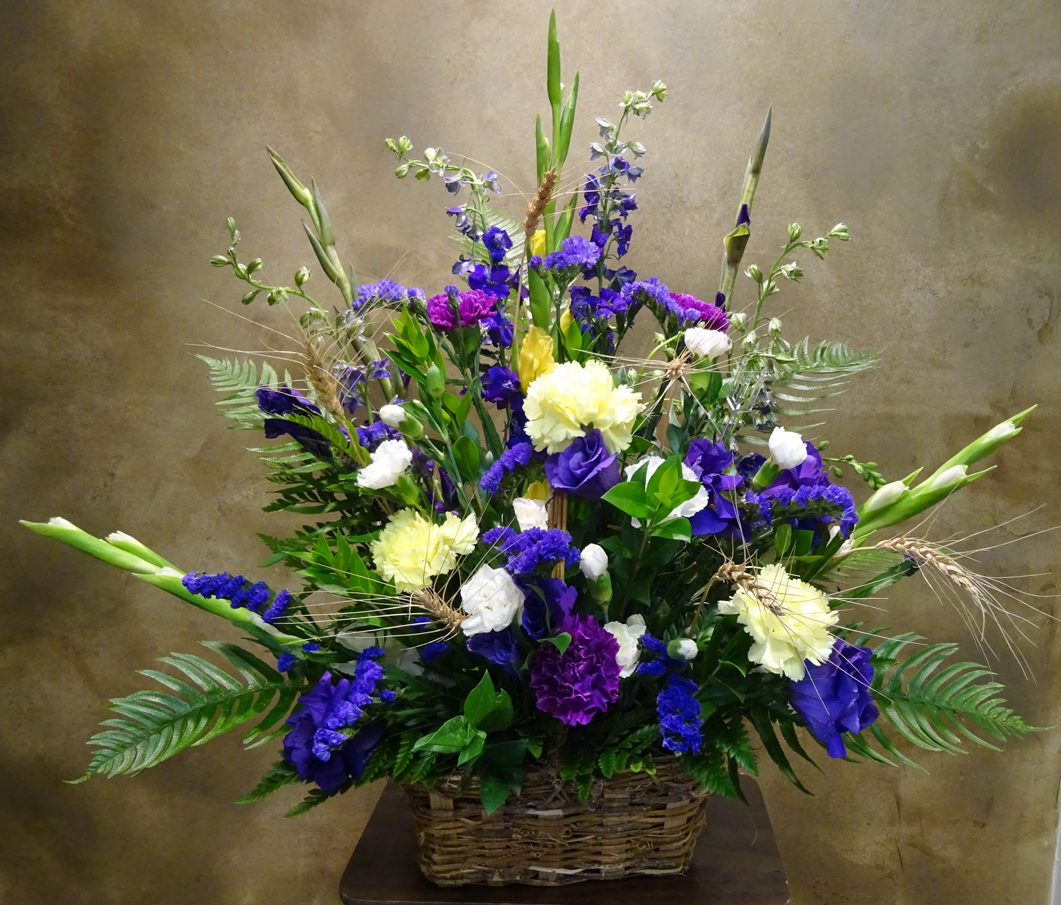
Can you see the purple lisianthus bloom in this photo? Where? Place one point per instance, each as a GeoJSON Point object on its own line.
{"type": "Point", "coordinates": [834, 698]}
{"type": "Point", "coordinates": [585, 468]}
{"type": "Point", "coordinates": [498, 647]}
{"type": "Point", "coordinates": [546, 602]}
{"type": "Point", "coordinates": [708, 461]}
{"type": "Point", "coordinates": [576, 685]}
{"type": "Point", "coordinates": [502, 387]}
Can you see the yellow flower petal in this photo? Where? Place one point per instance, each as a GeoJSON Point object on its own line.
{"type": "Point", "coordinates": [535, 356]}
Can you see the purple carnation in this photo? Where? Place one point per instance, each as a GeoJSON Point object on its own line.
{"type": "Point", "coordinates": [475, 304]}
{"type": "Point", "coordinates": [440, 312]}
{"type": "Point", "coordinates": [576, 685]}
{"type": "Point", "coordinates": [834, 698]}
{"type": "Point", "coordinates": [585, 468]}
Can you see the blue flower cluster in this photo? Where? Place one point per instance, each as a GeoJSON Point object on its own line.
{"type": "Point", "coordinates": [680, 721]}
{"type": "Point", "coordinates": [536, 547]}
{"type": "Point", "coordinates": [287, 659]}
{"type": "Point", "coordinates": [386, 291]}
{"type": "Point", "coordinates": [496, 278]}
{"type": "Point", "coordinates": [575, 254]}
{"type": "Point", "coordinates": [323, 744]}
{"type": "Point", "coordinates": [237, 590]}
{"type": "Point", "coordinates": [519, 454]}
{"type": "Point", "coordinates": [371, 435]}
{"type": "Point", "coordinates": [606, 203]}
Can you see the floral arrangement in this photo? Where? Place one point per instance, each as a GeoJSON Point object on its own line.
{"type": "Point", "coordinates": [524, 546]}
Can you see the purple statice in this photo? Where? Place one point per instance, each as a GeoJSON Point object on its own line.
{"type": "Point", "coordinates": [576, 685]}
{"type": "Point", "coordinates": [546, 602]}
{"type": "Point", "coordinates": [820, 504]}
{"type": "Point", "coordinates": [835, 697]}
{"type": "Point", "coordinates": [680, 721]}
{"type": "Point", "coordinates": [533, 549]}
{"type": "Point", "coordinates": [498, 647]}
{"type": "Point", "coordinates": [386, 291]}
{"type": "Point", "coordinates": [585, 468]}
{"type": "Point", "coordinates": [709, 462]}
{"type": "Point", "coordinates": [322, 728]}
{"type": "Point", "coordinates": [691, 311]}
{"type": "Point", "coordinates": [509, 460]}
{"type": "Point", "coordinates": [501, 386]}
{"type": "Point", "coordinates": [575, 252]}
{"type": "Point", "coordinates": [586, 307]}
{"type": "Point", "coordinates": [234, 588]}
{"type": "Point", "coordinates": [287, 659]}
{"type": "Point", "coordinates": [433, 650]}
{"type": "Point", "coordinates": [371, 435]}
{"type": "Point", "coordinates": [661, 663]}
{"type": "Point", "coordinates": [651, 292]}
{"type": "Point", "coordinates": [497, 243]}
{"type": "Point", "coordinates": [277, 607]}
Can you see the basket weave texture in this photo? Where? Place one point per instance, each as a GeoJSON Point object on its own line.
{"type": "Point", "coordinates": [632, 824]}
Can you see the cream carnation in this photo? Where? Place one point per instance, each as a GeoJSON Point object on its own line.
{"type": "Point", "coordinates": [530, 513]}
{"type": "Point", "coordinates": [490, 598]}
{"type": "Point", "coordinates": [389, 461]}
{"type": "Point", "coordinates": [574, 398]}
{"type": "Point", "coordinates": [411, 551]}
{"type": "Point", "coordinates": [788, 618]}
{"type": "Point", "coordinates": [629, 637]}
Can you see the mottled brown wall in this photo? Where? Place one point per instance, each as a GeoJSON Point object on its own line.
{"type": "Point", "coordinates": [131, 130]}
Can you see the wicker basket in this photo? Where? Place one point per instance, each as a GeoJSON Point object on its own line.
{"type": "Point", "coordinates": [632, 824]}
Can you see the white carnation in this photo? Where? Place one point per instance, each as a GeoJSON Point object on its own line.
{"type": "Point", "coordinates": [530, 513]}
{"type": "Point", "coordinates": [594, 561]}
{"type": "Point", "coordinates": [490, 599]}
{"type": "Point", "coordinates": [389, 461]}
{"type": "Point", "coordinates": [706, 343]}
{"type": "Point", "coordinates": [629, 637]}
{"type": "Point", "coordinates": [787, 448]}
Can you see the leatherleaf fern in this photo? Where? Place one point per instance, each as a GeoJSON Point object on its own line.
{"type": "Point", "coordinates": [934, 706]}
{"type": "Point", "coordinates": [152, 726]}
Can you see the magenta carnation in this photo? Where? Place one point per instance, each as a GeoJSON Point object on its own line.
{"type": "Point", "coordinates": [472, 307]}
{"type": "Point", "coordinates": [576, 685]}
{"type": "Point", "coordinates": [708, 316]}
{"type": "Point", "coordinates": [440, 314]}
{"type": "Point", "coordinates": [475, 305]}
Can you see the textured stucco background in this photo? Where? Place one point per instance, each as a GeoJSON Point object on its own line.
{"type": "Point", "coordinates": [131, 130]}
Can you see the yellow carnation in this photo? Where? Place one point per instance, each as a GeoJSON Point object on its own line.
{"type": "Point", "coordinates": [535, 356]}
{"type": "Point", "coordinates": [411, 551]}
{"type": "Point", "coordinates": [573, 399]}
{"type": "Point", "coordinates": [788, 618]}
{"type": "Point", "coordinates": [537, 242]}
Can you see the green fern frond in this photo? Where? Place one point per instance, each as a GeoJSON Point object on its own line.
{"type": "Point", "coordinates": [237, 379]}
{"type": "Point", "coordinates": [813, 374]}
{"type": "Point", "coordinates": [933, 706]}
{"type": "Point", "coordinates": [282, 773]}
{"type": "Point", "coordinates": [152, 726]}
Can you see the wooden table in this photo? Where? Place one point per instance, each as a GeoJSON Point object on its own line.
{"type": "Point", "coordinates": [736, 863]}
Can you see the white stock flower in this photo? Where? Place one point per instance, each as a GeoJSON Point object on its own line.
{"type": "Point", "coordinates": [684, 510]}
{"type": "Point", "coordinates": [530, 513]}
{"type": "Point", "coordinates": [392, 416]}
{"type": "Point", "coordinates": [389, 461]}
{"type": "Point", "coordinates": [594, 561]}
{"type": "Point", "coordinates": [787, 448]}
{"type": "Point", "coordinates": [628, 635]}
{"type": "Point", "coordinates": [687, 649]}
{"type": "Point", "coordinates": [706, 343]}
{"type": "Point", "coordinates": [490, 598]}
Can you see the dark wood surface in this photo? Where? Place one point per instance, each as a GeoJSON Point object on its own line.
{"type": "Point", "coordinates": [736, 863]}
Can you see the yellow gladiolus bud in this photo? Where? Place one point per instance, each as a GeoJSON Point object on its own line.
{"type": "Point", "coordinates": [535, 356]}
{"type": "Point", "coordinates": [537, 243]}
{"type": "Point", "coordinates": [566, 319]}
{"type": "Point", "coordinates": [539, 490]}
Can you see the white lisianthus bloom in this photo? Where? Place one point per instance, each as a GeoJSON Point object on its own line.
{"type": "Point", "coordinates": [392, 416]}
{"type": "Point", "coordinates": [787, 448]}
{"type": "Point", "coordinates": [789, 620]}
{"type": "Point", "coordinates": [885, 496]}
{"type": "Point", "coordinates": [530, 513]}
{"type": "Point", "coordinates": [684, 510]}
{"type": "Point", "coordinates": [628, 635]}
{"type": "Point", "coordinates": [706, 343]}
{"type": "Point", "coordinates": [389, 461]}
{"type": "Point", "coordinates": [491, 599]}
{"type": "Point", "coordinates": [687, 649]}
{"type": "Point", "coordinates": [594, 561]}
{"type": "Point", "coordinates": [947, 478]}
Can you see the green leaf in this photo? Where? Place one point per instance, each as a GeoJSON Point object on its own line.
{"type": "Point", "coordinates": [467, 455]}
{"type": "Point", "coordinates": [311, 801]}
{"type": "Point", "coordinates": [493, 793]}
{"type": "Point", "coordinates": [629, 497]}
{"type": "Point", "coordinates": [480, 700]}
{"type": "Point", "coordinates": [473, 749]}
{"type": "Point", "coordinates": [449, 738]}
{"type": "Point", "coordinates": [561, 641]}
{"type": "Point", "coordinates": [153, 726]}
{"type": "Point", "coordinates": [674, 529]}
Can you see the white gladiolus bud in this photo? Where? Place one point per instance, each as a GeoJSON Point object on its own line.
{"type": "Point", "coordinates": [1003, 431]}
{"type": "Point", "coordinates": [389, 461]}
{"type": "Point", "coordinates": [629, 636]}
{"type": "Point", "coordinates": [392, 416]}
{"type": "Point", "coordinates": [530, 513]}
{"type": "Point", "coordinates": [594, 561]}
{"type": "Point", "coordinates": [787, 448]}
{"type": "Point", "coordinates": [491, 599]}
{"type": "Point", "coordinates": [706, 343]}
{"type": "Point", "coordinates": [885, 496]}
{"type": "Point", "coordinates": [686, 649]}
{"type": "Point", "coordinates": [948, 478]}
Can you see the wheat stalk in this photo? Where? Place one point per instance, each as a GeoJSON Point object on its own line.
{"type": "Point", "coordinates": [320, 377]}
{"type": "Point", "coordinates": [538, 204]}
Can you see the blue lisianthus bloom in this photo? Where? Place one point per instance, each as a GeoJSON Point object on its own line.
{"type": "Point", "coordinates": [585, 468]}
{"type": "Point", "coordinates": [498, 647]}
{"type": "Point", "coordinates": [679, 716]}
{"type": "Point", "coordinates": [835, 698]}
{"type": "Point", "coordinates": [497, 243]}
{"type": "Point", "coordinates": [708, 461]}
{"type": "Point", "coordinates": [322, 728]}
{"type": "Point", "coordinates": [501, 386]}
{"type": "Point", "coordinates": [546, 601]}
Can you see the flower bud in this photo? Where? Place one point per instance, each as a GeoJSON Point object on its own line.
{"type": "Point", "coordinates": [737, 320]}
{"type": "Point", "coordinates": [755, 273]}
{"type": "Point", "coordinates": [435, 382]}
{"type": "Point", "coordinates": [750, 339]}
{"type": "Point", "coordinates": [706, 343]}
{"type": "Point", "coordinates": [775, 326]}
{"type": "Point", "coordinates": [883, 497]}
{"type": "Point", "coordinates": [301, 275]}
{"type": "Point", "coordinates": [683, 649]}
{"type": "Point", "coordinates": [794, 232]}
{"type": "Point", "coordinates": [840, 232]}
{"type": "Point", "coordinates": [219, 261]}
{"type": "Point", "coordinates": [948, 478]}
{"type": "Point", "coordinates": [398, 418]}
{"type": "Point", "coordinates": [530, 513]}
{"type": "Point", "coordinates": [594, 561]}
{"type": "Point", "coordinates": [787, 448]}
